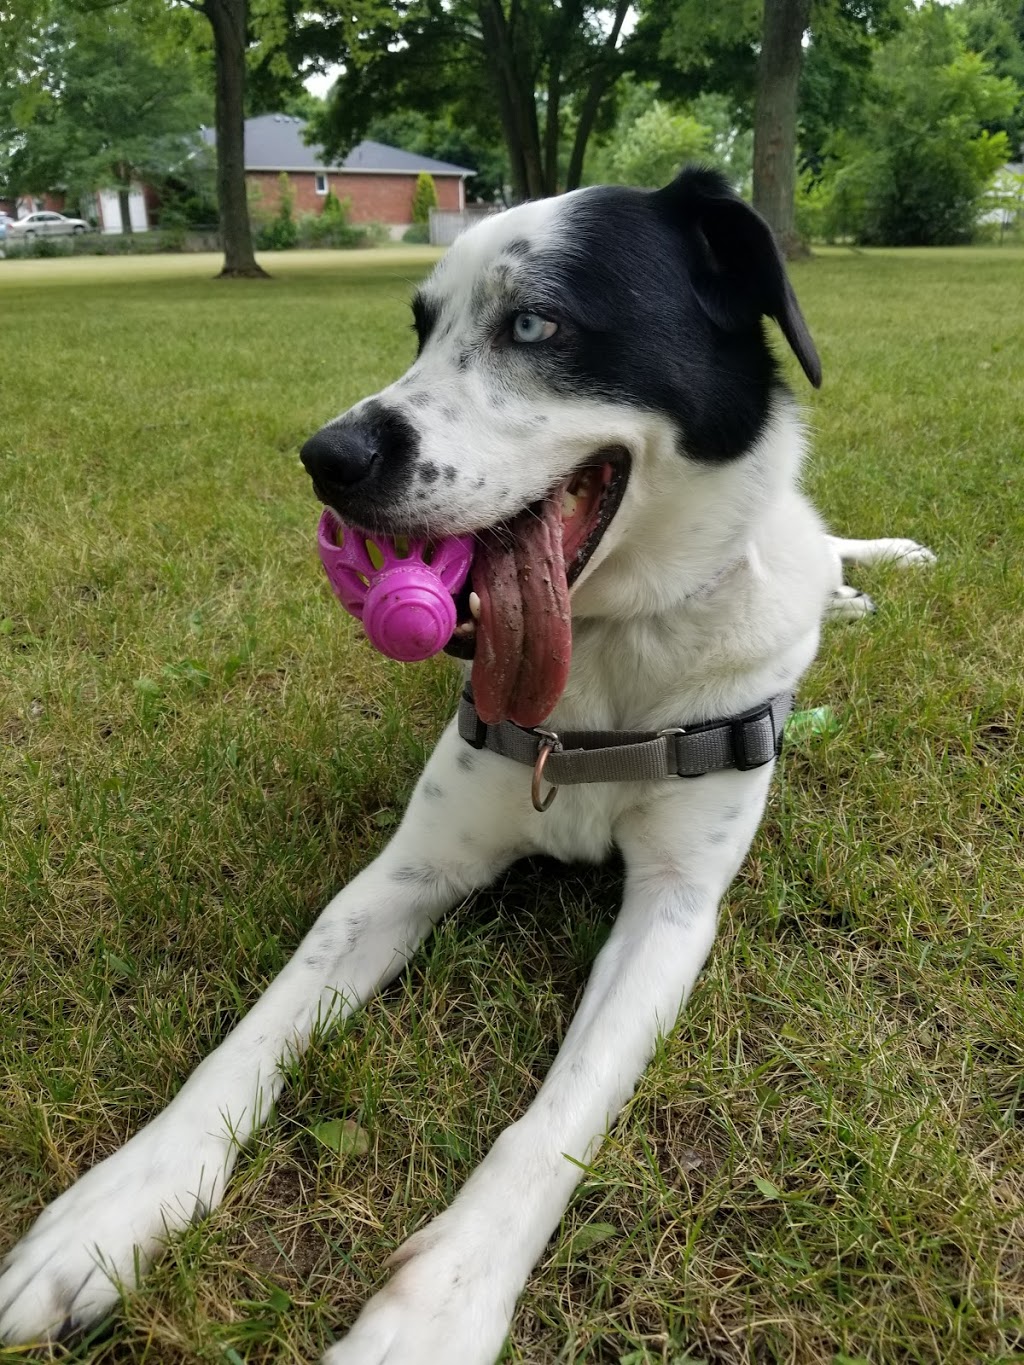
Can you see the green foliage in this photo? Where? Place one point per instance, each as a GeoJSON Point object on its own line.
{"type": "Point", "coordinates": [651, 139]}
{"type": "Point", "coordinates": [507, 69]}
{"type": "Point", "coordinates": [281, 233]}
{"type": "Point", "coordinates": [995, 29]}
{"type": "Point", "coordinates": [331, 226]}
{"type": "Point", "coordinates": [101, 100]}
{"type": "Point", "coordinates": [654, 148]}
{"type": "Point", "coordinates": [424, 198]}
{"type": "Point", "coordinates": [730, 140]}
{"type": "Point", "coordinates": [917, 172]}
{"type": "Point", "coordinates": [450, 136]}
{"type": "Point", "coordinates": [160, 241]}
{"type": "Point", "coordinates": [417, 235]}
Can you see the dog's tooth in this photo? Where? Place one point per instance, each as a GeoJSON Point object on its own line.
{"type": "Point", "coordinates": [474, 606]}
{"type": "Point", "coordinates": [466, 631]}
{"type": "Point", "coordinates": [569, 504]}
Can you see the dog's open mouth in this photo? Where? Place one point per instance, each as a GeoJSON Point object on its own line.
{"type": "Point", "coordinates": [514, 617]}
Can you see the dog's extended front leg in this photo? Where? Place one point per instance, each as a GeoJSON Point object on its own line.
{"type": "Point", "coordinates": [453, 1293]}
{"type": "Point", "coordinates": [108, 1226]}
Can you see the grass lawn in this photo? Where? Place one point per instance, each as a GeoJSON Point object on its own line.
{"type": "Point", "coordinates": [825, 1163]}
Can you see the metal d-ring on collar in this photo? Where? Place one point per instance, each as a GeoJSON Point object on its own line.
{"type": "Point", "coordinates": [550, 743]}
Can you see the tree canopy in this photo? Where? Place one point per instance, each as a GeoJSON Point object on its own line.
{"type": "Point", "coordinates": [101, 99]}
{"type": "Point", "coordinates": [540, 72]}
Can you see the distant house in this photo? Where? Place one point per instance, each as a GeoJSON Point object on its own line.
{"type": "Point", "coordinates": [379, 181]}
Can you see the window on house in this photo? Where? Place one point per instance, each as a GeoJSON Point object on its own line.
{"type": "Point", "coordinates": [320, 181]}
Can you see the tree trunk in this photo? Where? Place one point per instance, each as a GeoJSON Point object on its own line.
{"type": "Point", "coordinates": [228, 20]}
{"type": "Point", "coordinates": [775, 106]}
{"type": "Point", "coordinates": [600, 81]}
{"type": "Point", "coordinates": [551, 128]}
{"type": "Point", "coordinates": [516, 100]}
{"type": "Point", "coordinates": [124, 200]}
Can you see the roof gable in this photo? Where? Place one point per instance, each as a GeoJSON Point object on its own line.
{"type": "Point", "coordinates": [274, 142]}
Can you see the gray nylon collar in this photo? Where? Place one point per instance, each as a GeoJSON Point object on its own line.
{"type": "Point", "coordinates": [745, 741]}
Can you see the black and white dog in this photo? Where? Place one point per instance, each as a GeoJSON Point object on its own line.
{"type": "Point", "coordinates": [595, 397]}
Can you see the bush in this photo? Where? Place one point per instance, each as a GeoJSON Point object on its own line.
{"type": "Point", "coordinates": [376, 234]}
{"type": "Point", "coordinates": [331, 226]}
{"type": "Point", "coordinates": [651, 151]}
{"type": "Point", "coordinates": [418, 234]}
{"type": "Point", "coordinates": [424, 199]}
{"type": "Point", "coordinates": [115, 244]}
{"type": "Point", "coordinates": [281, 233]}
{"type": "Point", "coordinates": [918, 174]}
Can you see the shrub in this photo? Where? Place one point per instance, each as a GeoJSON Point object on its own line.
{"type": "Point", "coordinates": [424, 198]}
{"type": "Point", "coordinates": [376, 234]}
{"type": "Point", "coordinates": [281, 233]}
{"type": "Point", "coordinates": [331, 226]}
{"type": "Point", "coordinates": [917, 174]}
{"type": "Point", "coordinates": [419, 234]}
{"type": "Point", "coordinates": [651, 150]}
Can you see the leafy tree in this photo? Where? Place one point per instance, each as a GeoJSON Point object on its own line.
{"type": "Point", "coordinates": [102, 102]}
{"type": "Point", "coordinates": [34, 39]}
{"type": "Point", "coordinates": [424, 198]}
{"type": "Point", "coordinates": [538, 66]}
{"type": "Point", "coordinates": [918, 173]}
{"type": "Point", "coordinates": [995, 30]}
{"type": "Point", "coordinates": [751, 51]}
{"type": "Point", "coordinates": [649, 147]}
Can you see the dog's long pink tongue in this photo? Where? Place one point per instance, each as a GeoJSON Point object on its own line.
{"type": "Point", "coordinates": [524, 634]}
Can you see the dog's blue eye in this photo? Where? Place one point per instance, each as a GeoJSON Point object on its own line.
{"type": "Point", "coordinates": [532, 327]}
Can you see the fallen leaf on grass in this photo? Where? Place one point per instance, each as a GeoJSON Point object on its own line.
{"type": "Point", "coordinates": [343, 1136]}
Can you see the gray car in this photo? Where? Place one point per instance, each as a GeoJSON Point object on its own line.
{"type": "Point", "coordinates": [45, 223]}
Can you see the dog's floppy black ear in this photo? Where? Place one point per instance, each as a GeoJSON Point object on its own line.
{"type": "Point", "coordinates": [738, 271]}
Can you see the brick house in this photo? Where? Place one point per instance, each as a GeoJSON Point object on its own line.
{"type": "Point", "coordinates": [378, 180]}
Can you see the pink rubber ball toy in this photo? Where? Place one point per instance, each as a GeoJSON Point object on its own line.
{"type": "Point", "coordinates": [404, 600]}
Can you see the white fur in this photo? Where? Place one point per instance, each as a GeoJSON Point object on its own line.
{"type": "Point", "coordinates": [678, 617]}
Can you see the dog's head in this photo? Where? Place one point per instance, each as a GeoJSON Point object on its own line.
{"type": "Point", "coordinates": [581, 359]}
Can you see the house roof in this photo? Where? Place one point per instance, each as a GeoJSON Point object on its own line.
{"type": "Point", "coordinates": [274, 142]}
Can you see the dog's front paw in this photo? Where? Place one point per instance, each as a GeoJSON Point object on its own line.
{"type": "Point", "coordinates": [105, 1231]}
{"type": "Point", "coordinates": [905, 553]}
{"type": "Point", "coordinates": [445, 1303]}
{"type": "Point", "coordinates": [848, 604]}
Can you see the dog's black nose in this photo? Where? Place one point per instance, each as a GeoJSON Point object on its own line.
{"type": "Point", "coordinates": [362, 457]}
{"type": "Point", "coordinates": [340, 454]}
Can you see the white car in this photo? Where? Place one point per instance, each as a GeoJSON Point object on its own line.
{"type": "Point", "coordinates": [46, 224]}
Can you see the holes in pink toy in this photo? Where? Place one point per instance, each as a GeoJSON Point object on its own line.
{"type": "Point", "coordinates": [374, 553]}
{"type": "Point", "coordinates": [401, 547]}
{"type": "Point", "coordinates": [339, 534]}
